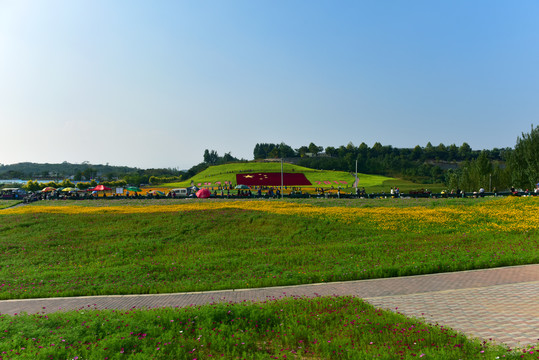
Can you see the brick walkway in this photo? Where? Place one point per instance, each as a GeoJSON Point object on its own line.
{"type": "Point", "coordinates": [501, 304]}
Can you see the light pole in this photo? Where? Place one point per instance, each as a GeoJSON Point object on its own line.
{"type": "Point", "coordinates": [356, 182]}
{"type": "Point", "coordinates": [282, 179]}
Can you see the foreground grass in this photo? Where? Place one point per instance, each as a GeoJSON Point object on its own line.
{"type": "Point", "coordinates": [316, 328]}
{"type": "Point", "coordinates": [98, 249]}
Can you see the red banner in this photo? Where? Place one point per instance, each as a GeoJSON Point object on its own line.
{"type": "Point", "coordinates": [272, 179]}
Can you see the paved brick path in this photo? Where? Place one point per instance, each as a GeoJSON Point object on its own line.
{"type": "Point", "coordinates": [501, 304]}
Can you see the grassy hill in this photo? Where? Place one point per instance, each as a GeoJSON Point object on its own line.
{"type": "Point", "coordinates": [214, 175]}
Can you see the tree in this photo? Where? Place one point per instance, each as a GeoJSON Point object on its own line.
{"type": "Point", "coordinates": [441, 152]}
{"type": "Point", "coordinates": [430, 152]}
{"type": "Point", "coordinates": [484, 167]}
{"type": "Point", "coordinates": [210, 157]}
{"type": "Point", "coordinates": [377, 149]}
{"type": "Point", "coordinates": [417, 153]}
{"type": "Point", "coordinates": [66, 183]}
{"type": "Point", "coordinates": [286, 151]}
{"type": "Point", "coordinates": [452, 152]}
{"type": "Point", "coordinates": [315, 149]}
{"type": "Point", "coordinates": [524, 160]}
{"type": "Point", "coordinates": [465, 151]}
{"type": "Point", "coordinates": [302, 151]}
{"type": "Point", "coordinates": [331, 151]}
{"type": "Point", "coordinates": [32, 186]}
{"type": "Point", "coordinates": [274, 154]}
{"type": "Point", "coordinates": [89, 173]}
{"type": "Point", "coordinates": [227, 157]}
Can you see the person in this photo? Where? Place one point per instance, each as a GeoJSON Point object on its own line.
{"type": "Point", "coordinates": [481, 192]}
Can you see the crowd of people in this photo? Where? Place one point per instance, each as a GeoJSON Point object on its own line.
{"type": "Point", "coordinates": [258, 192]}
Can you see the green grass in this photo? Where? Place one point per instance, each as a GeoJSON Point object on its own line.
{"type": "Point", "coordinates": [316, 328]}
{"type": "Point", "coordinates": [319, 178]}
{"type": "Point", "coordinates": [46, 255]}
{"type": "Point", "coordinates": [8, 203]}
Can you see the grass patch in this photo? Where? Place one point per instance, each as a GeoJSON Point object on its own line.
{"type": "Point", "coordinates": [315, 328]}
{"type": "Point", "coordinates": [4, 204]}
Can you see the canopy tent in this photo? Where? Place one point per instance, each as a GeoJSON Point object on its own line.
{"type": "Point", "coordinates": [203, 193]}
{"type": "Point", "coordinates": [100, 188]}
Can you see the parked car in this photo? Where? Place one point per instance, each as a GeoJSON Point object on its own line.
{"type": "Point", "coordinates": [181, 192]}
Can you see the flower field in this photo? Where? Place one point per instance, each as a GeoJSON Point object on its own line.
{"type": "Point", "coordinates": [312, 328]}
{"type": "Point", "coordinates": [60, 248]}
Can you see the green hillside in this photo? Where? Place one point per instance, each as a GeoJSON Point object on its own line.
{"type": "Point", "coordinates": [219, 174]}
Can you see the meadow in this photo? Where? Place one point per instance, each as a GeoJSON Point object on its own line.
{"type": "Point", "coordinates": [95, 247]}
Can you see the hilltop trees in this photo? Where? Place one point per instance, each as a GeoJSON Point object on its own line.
{"type": "Point", "coordinates": [212, 158]}
{"type": "Point", "coordinates": [457, 166]}
{"type": "Point", "coordinates": [524, 161]}
{"type": "Point", "coordinates": [273, 151]}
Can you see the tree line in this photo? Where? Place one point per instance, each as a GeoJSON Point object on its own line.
{"type": "Point", "coordinates": [458, 167]}
{"type": "Point", "coordinates": [429, 164]}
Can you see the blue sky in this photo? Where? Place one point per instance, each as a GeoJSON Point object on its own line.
{"type": "Point", "coordinates": [154, 83]}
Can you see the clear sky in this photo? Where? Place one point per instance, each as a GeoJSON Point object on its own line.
{"type": "Point", "coordinates": [154, 83]}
